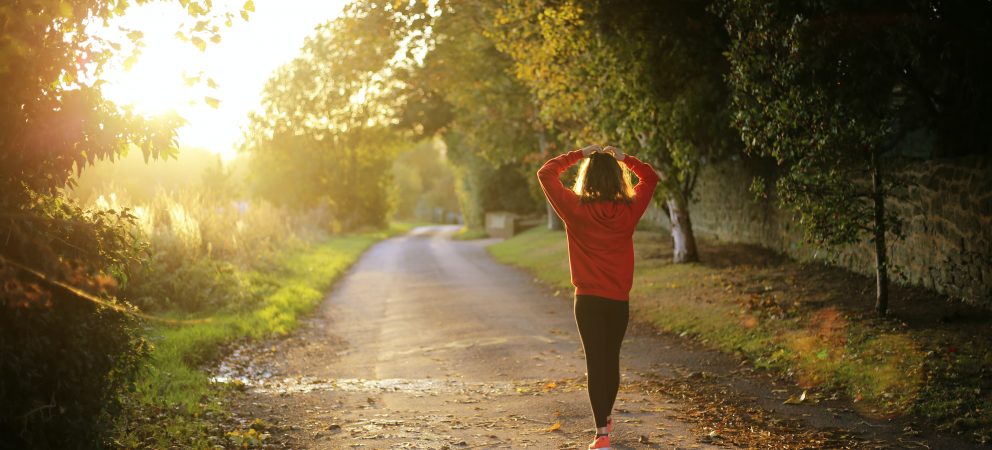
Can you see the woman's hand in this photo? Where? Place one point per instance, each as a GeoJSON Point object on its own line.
{"type": "Point", "coordinates": [616, 152]}
{"type": "Point", "coordinates": [591, 149]}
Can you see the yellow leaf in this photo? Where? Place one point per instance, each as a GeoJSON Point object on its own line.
{"type": "Point", "coordinates": [199, 43]}
{"type": "Point", "coordinates": [213, 102]}
{"type": "Point", "coordinates": [554, 427]}
{"type": "Point", "coordinates": [249, 6]}
{"type": "Point", "coordinates": [793, 400]}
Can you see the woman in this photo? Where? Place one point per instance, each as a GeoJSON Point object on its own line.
{"type": "Point", "coordinates": [600, 213]}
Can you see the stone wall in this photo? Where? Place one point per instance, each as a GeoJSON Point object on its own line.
{"type": "Point", "coordinates": [946, 207]}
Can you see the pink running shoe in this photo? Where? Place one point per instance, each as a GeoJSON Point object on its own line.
{"type": "Point", "coordinates": [601, 443]}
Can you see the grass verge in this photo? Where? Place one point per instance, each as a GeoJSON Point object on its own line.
{"type": "Point", "coordinates": [810, 323]}
{"type": "Point", "coordinates": [175, 403]}
{"type": "Point", "coordinates": [468, 234]}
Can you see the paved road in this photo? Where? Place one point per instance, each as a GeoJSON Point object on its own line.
{"type": "Point", "coordinates": [429, 343]}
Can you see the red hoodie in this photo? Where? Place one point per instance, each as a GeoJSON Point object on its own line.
{"type": "Point", "coordinates": [600, 234]}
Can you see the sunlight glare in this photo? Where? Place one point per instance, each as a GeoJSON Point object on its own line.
{"type": "Point", "coordinates": [240, 64]}
{"type": "Point", "coordinates": [155, 84]}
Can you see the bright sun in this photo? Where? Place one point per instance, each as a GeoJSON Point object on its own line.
{"type": "Point", "coordinates": [155, 84]}
{"type": "Point", "coordinates": [240, 64]}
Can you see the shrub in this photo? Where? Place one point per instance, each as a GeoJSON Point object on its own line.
{"type": "Point", "coordinates": [65, 359]}
{"type": "Point", "coordinates": [197, 245]}
{"type": "Point", "coordinates": [168, 281]}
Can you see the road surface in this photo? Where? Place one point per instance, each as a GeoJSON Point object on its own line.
{"type": "Point", "coordinates": [428, 342]}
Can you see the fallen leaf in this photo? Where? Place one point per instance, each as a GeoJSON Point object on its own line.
{"type": "Point", "coordinates": [554, 427]}
{"type": "Point", "coordinates": [793, 400]}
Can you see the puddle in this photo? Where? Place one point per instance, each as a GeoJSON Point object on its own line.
{"type": "Point", "coordinates": [304, 384]}
{"type": "Point", "coordinates": [469, 344]}
{"type": "Point", "coordinates": [238, 366]}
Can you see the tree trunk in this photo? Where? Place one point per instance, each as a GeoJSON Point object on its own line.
{"type": "Point", "coordinates": [554, 222]}
{"type": "Point", "coordinates": [684, 240]}
{"type": "Point", "coordinates": [881, 260]}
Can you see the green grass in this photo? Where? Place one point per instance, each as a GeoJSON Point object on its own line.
{"type": "Point", "coordinates": [887, 367]}
{"type": "Point", "coordinates": [175, 386]}
{"type": "Point", "coordinates": [468, 234]}
{"type": "Point", "coordinates": [540, 251]}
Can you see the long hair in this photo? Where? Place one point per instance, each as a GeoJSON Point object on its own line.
{"type": "Point", "coordinates": [602, 179]}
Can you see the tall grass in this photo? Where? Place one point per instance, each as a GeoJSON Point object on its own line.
{"type": "Point", "coordinates": [217, 271]}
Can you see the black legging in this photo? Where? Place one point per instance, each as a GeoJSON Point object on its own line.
{"type": "Point", "coordinates": [602, 323]}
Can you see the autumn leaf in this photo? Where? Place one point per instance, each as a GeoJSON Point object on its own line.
{"type": "Point", "coordinates": [213, 102]}
{"type": "Point", "coordinates": [554, 427]}
{"type": "Point", "coordinates": [793, 400]}
{"type": "Point", "coordinates": [199, 43]}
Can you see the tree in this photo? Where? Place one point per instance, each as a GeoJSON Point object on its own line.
{"type": "Point", "coordinates": [643, 75]}
{"type": "Point", "coordinates": [424, 183]}
{"type": "Point", "coordinates": [493, 135]}
{"type": "Point", "coordinates": [325, 137]}
{"type": "Point", "coordinates": [67, 356]}
{"type": "Point", "coordinates": [831, 90]}
{"type": "Point", "coordinates": [456, 84]}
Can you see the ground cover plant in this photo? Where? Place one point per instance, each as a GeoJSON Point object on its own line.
{"type": "Point", "coordinates": [176, 392]}
{"type": "Point", "coordinates": [211, 271]}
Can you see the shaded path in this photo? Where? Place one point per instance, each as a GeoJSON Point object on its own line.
{"type": "Point", "coordinates": [429, 343]}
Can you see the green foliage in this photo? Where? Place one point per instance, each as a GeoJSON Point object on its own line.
{"type": "Point", "coordinates": [483, 186]}
{"type": "Point", "coordinates": [82, 359]}
{"type": "Point", "coordinates": [140, 181]}
{"type": "Point", "coordinates": [808, 94]}
{"type": "Point", "coordinates": [170, 283]}
{"type": "Point", "coordinates": [325, 137]}
{"type": "Point", "coordinates": [424, 183]}
{"type": "Point", "coordinates": [66, 360]}
{"type": "Point", "coordinates": [641, 75]}
{"type": "Point", "coordinates": [645, 76]}
{"type": "Point", "coordinates": [494, 113]}
{"type": "Point", "coordinates": [833, 90]}
{"type": "Point", "coordinates": [173, 384]}
{"type": "Point", "coordinates": [495, 139]}
{"type": "Point", "coordinates": [54, 115]}
{"type": "Point", "coordinates": [821, 86]}
{"type": "Point", "coordinates": [195, 243]}
{"type": "Point", "coordinates": [453, 81]}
